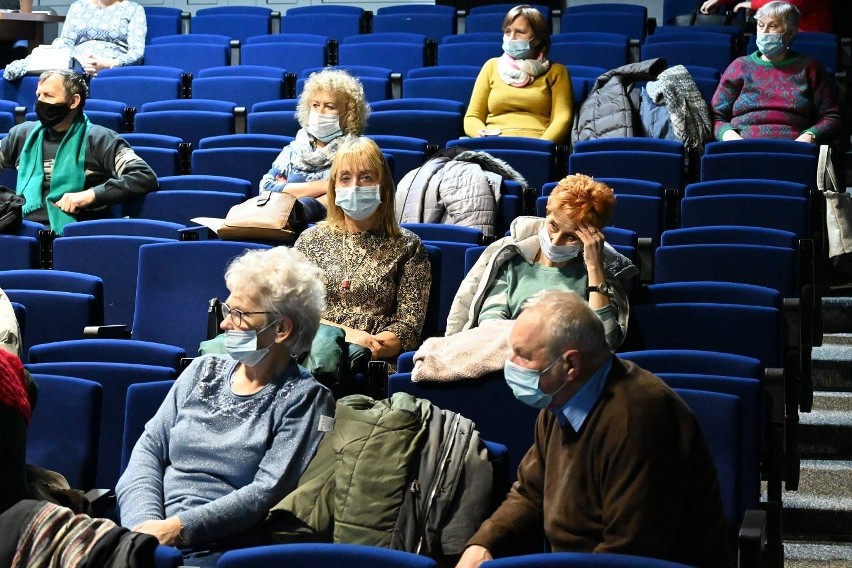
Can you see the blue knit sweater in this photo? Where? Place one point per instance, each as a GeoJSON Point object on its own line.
{"type": "Point", "coordinates": [217, 460]}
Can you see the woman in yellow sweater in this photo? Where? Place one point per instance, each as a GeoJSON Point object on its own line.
{"type": "Point", "coordinates": [521, 93]}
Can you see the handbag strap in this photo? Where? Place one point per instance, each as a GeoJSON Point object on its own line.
{"type": "Point", "coordinates": [826, 180]}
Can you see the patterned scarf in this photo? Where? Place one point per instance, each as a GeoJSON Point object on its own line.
{"type": "Point", "coordinates": [13, 385]}
{"type": "Point", "coordinates": [521, 72]}
{"type": "Point", "coordinates": [68, 175]}
{"type": "Point", "coordinates": [687, 108]}
{"type": "Point", "coordinates": [308, 157]}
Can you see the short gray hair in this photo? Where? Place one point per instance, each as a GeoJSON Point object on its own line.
{"type": "Point", "coordinates": [343, 85]}
{"type": "Point", "coordinates": [570, 323]}
{"type": "Point", "coordinates": [286, 284]}
{"type": "Point", "coordinates": [73, 82]}
{"type": "Point", "coordinates": [787, 13]}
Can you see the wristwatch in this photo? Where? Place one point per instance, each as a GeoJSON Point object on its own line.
{"type": "Point", "coordinates": [603, 288]}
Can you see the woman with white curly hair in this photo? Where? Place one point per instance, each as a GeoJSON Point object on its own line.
{"type": "Point", "coordinates": [331, 108]}
{"type": "Point", "coordinates": [235, 434]}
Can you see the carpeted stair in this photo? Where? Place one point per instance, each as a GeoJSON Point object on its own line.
{"type": "Point", "coordinates": [817, 518]}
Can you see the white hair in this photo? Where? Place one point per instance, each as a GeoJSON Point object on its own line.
{"type": "Point", "coordinates": [570, 323]}
{"type": "Point", "coordinates": [286, 284]}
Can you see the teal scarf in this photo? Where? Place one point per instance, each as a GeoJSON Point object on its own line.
{"type": "Point", "coordinates": [68, 176]}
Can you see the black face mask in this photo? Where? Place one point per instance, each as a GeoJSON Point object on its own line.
{"type": "Point", "coordinates": [51, 114]}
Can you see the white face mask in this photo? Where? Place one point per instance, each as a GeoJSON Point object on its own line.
{"type": "Point", "coordinates": [324, 127]}
{"type": "Point", "coordinates": [557, 253]}
{"type": "Point", "coordinates": [242, 345]}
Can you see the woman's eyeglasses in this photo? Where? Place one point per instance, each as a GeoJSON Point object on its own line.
{"type": "Point", "coordinates": [236, 315]}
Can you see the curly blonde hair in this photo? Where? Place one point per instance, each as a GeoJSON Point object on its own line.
{"type": "Point", "coordinates": [345, 86]}
{"type": "Point", "coordinates": [583, 200]}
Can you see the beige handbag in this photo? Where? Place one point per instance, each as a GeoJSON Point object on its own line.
{"type": "Point", "coordinates": [271, 216]}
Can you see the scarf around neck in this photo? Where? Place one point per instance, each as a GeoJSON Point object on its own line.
{"type": "Point", "coordinates": [68, 175]}
{"type": "Point", "coordinates": [307, 157]}
{"type": "Point", "coordinates": [521, 72]}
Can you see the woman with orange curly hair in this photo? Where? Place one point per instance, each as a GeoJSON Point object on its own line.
{"type": "Point", "coordinates": [565, 250]}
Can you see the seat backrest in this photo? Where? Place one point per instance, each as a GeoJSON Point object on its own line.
{"type": "Point", "coordinates": [663, 168]}
{"type": "Point", "coordinates": [630, 24]}
{"type": "Point", "coordinates": [114, 379]}
{"type": "Point", "coordinates": [243, 163]}
{"type": "Point", "coordinates": [419, 103]}
{"type": "Point", "coordinates": [709, 292]}
{"type": "Point", "coordinates": [467, 53]}
{"type": "Point", "coordinates": [296, 56]}
{"type": "Point", "coordinates": [729, 234]}
{"type": "Point", "coordinates": [760, 165]}
{"type": "Point", "coordinates": [141, 403]}
{"type": "Point", "coordinates": [164, 162]}
{"type": "Point", "coordinates": [181, 206]}
{"type": "Point", "coordinates": [179, 279]}
{"type": "Point", "coordinates": [453, 88]}
{"type": "Point", "coordinates": [281, 122]}
{"type": "Point", "coordinates": [250, 140]}
{"type": "Point", "coordinates": [747, 187]}
{"type": "Point", "coordinates": [696, 362]}
{"type": "Point", "coordinates": [86, 254]}
{"type": "Point", "coordinates": [127, 89]}
{"type": "Point", "coordinates": [590, 54]}
{"type": "Point", "coordinates": [200, 182]}
{"type": "Point", "coordinates": [438, 127]}
{"type": "Point", "coordinates": [19, 252]}
{"type": "Point", "coordinates": [335, 26]}
{"type": "Point", "coordinates": [63, 435]}
{"type": "Point", "coordinates": [151, 139]}
{"type": "Point", "coordinates": [237, 26]}
{"type": "Point", "coordinates": [688, 53]}
{"type": "Point", "coordinates": [243, 90]}
{"type": "Point", "coordinates": [580, 560]}
{"type": "Point", "coordinates": [200, 56]}
{"type": "Point", "coordinates": [770, 211]}
{"type": "Point", "coordinates": [43, 326]}
{"type": "Point", "coordinates": [450, 278]}
{"type": "Point", "coordinates": [753, 331]}
{"type": "Point", "coordinates": [195, 38]}
{"type": "Point", "coordinates": [127, 227]}
{"type": "Point", "coordinates": [399, 57]}
{"type": "Point", "coordinates": [108, 351]}
{"type": "Point", "coordinates": [772, 267]}
{"type": "Point", "coordinates": [308, 555]}
{"type": "Point", "coordinates": [189, 125]}
{"type": "Point", "coordinates": [435, 26]}
{"type": "Point", "coordinates": [721, 418]}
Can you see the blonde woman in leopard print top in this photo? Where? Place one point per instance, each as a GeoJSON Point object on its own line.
{"type": "Point", "coordinates": [377, 274]}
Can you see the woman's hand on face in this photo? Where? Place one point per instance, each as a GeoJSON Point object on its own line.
{"type": "Point", "coordinates": [593, 241]}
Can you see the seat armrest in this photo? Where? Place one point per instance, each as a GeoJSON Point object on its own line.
{"type": "Point", "coordinates": [101, 501]}
{"type": "Point", "coordinates": [751, 541]}
{"type": "Point", "coordinates": [117, 331]}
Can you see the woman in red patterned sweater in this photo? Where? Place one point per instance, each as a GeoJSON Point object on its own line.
{"type": "Point", "coordinates": [775, 92]}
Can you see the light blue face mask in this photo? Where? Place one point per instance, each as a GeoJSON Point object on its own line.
{"type": "Point", "coordinates": [242, 345]}
{"type": "Point", "coordinates": [770, 45]}
{"type": "Point", "coordinates": [524, 384]}
{"type": "Point", "coordinates": [517, 48]}
{"type": "Point", "coordinates": [557, 253]}
{"type": "Point", "coordinates": [358, 202]}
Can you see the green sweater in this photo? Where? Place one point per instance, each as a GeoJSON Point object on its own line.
{"type": "Point", "coordinates": [637, 479]}
{"type": "Point", "coordinates": [519, 280]}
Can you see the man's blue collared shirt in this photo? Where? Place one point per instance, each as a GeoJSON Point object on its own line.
{"type": "Point", "coordinates": [576, 410]}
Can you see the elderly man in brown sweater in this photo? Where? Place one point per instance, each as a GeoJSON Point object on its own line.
{"type": "Point", "coordinates": [618, 464]}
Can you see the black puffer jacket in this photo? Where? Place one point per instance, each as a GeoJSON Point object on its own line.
{"type": "Point", "coordinates": [611, 109]}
